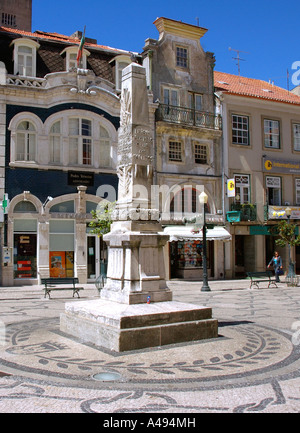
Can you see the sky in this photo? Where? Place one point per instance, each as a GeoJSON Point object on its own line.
{"type": "Point", "coordinates": [265, 32]}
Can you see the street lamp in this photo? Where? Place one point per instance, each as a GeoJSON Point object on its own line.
{"type": "Point", "coordinates": [291, 273]}
{"type": "Point", "coordinates": [203, 201]}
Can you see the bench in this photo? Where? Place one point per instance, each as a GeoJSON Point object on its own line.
{"type": "Point", "coordinates": [51, 283]}
{"type": "Point", "coordinates": [259, 277]}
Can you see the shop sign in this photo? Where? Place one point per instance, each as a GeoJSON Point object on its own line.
{"type": "Point", "coordinates": [271, 165]}
{"type": "Point", "coordinates": [278, 212]}
{"type": "Point", "coordinates": [231, 188]}
{"type": "Point", "coordinates": [78, 178]}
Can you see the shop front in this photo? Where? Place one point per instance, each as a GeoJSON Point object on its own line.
{"type": "Point", "coordinates": [52, 240]}
{"type": "Point", "coordinates": [186, 252]}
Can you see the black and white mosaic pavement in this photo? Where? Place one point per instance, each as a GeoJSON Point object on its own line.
{"type": "Point", "coordinates": [253, 365]}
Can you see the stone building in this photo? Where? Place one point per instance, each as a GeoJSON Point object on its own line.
{"type": "Point", "coordinates": [16, 14]}
{"type": "Point", "coordinates": [261, 130]}
{"type": "Point", "coordinates": [58, 145]}
{"type": "Point", "coordinates": [188, 158]}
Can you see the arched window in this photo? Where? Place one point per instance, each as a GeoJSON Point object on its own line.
{"type": "Point", "coordinates": [25, 207]}
{"type": "Point", "coordinates": [55, 142]}
{"type": "Point", "coordinates": [26, 142]}
{"type": "Point", "coordinates": [80, 141]}
{"type": "Point", "coordinates": [105, 146]}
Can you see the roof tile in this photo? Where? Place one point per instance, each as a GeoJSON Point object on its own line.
{"type": "Point", "coordinates": [253, 88]}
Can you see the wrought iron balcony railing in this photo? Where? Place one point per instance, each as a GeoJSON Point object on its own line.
{"type": "Point", "coordinates": [188, 116]}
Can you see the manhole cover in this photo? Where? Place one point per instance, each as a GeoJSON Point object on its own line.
{"type": "Point", "coordinates": [107, 376]}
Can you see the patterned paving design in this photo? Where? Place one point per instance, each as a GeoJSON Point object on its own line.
{"type": "Point", "coordinates": [253, 366]}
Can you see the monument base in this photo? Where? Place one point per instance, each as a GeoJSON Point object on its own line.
{"type": "Point", "coordinates": [122, 327]}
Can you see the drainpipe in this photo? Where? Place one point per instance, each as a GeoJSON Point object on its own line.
{"type": "Point", "coordinates": [221, 99]}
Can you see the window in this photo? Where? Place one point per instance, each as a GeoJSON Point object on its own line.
{"type": "Point", "coordinates": [26, 142]}
{"type": "Point", "coordinates": [271, 134]}
{"type": "Point", "coordinates": [25, 57]}
{"type": "Point", "coordinates": [71, 57]}
{"type": "Point", "coordinates": [170, 97]}
{"type": "Point", "coordinates": [200, 153]}
{"type": "Point", "coordinates": [55, 142]}
{"type": "Point", "coordinates": [25, 248]}
{"type": "Point", "coordinates": [240, 130]}
{"type": "Point", "coordinates": [242, 188]}
{"type": "Point", "coordinates": [80, 141]}
{"type": "Point", "coordinates": [175, 151]}
{"type": "Point", "coordinates": [120, 63]}
{"type": "Point", "coordinates": [298, 191]}
{"type": "Point", "coordinates": [273, 185]}
{"type": "Point", "coordinates": [105, 146]}
{"type": "Point", "coordinates": [296, 136]}
{"type": "Point", "coordinates": [181, 57]}
{"type": "Point", "coordinates": [195, 101]}
{"type": "Point", "coordinates": [9, 20]}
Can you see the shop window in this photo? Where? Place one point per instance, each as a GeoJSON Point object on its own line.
{"type": "Point", "coordinates": [25, 248]}
{"type": "Point", "coordinates": [61, 248]}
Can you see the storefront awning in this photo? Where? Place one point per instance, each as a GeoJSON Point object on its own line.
{"type": "Point", "coordinates": [186, 233]}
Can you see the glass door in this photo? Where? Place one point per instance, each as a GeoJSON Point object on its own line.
{"type": "Point", "coordinates": [93, 254]}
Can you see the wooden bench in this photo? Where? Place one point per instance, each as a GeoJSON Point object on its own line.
{"type": "Point", "coordinates": [51, 283]}
{"type": "Point", "coordinates": [259, 277]}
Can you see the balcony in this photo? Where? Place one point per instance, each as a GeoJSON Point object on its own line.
{"type": "Point", "coordinates": [188, 116]}
{"type": "Point", "coordinates": [242, 212]}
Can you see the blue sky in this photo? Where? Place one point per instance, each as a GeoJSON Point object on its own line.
{"type": "Point", "coordinates": [266, 32]}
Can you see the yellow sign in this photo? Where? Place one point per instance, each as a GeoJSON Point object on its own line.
{"type": "Point", "coordinates": [231, 188]}
{"type": "Point", "coordinates": [268, 165]}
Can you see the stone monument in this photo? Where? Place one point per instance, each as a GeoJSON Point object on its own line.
{"type": "Point", "coordinates": [135, 309]}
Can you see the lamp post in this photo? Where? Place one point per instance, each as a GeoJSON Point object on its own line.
{"type": "Point", "coordinates": [205, 287]}
{"type": "Point", "coordinates": [291, 273]}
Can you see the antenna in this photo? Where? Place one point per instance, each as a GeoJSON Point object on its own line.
{"type": "Point", "coordinates": [238, 58]}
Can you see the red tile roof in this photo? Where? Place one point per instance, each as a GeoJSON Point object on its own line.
{"type": "Point", "coordinates": [253, 88]}
{"type": "Point", "coordinates": [38, 34]}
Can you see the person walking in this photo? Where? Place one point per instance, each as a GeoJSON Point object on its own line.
{"type": "Point", "coordinates": [277, 265]}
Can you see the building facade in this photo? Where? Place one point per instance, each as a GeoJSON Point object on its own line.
{"type": "Point", "coordinates": [188, 144]}
{"type": "Point", "coordinates": [58, 147]}
{"type": "Point", "coordinates": [261, 130]}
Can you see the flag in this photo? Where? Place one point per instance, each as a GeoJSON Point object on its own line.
{"type": "Point", "coordinates": [80, 49]}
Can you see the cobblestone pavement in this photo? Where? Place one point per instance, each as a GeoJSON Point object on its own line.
{"type": "Point", "coordinates": [253, 366]}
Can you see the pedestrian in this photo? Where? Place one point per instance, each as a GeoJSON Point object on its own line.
{"type": "Point", "coordinates": [277, 265]}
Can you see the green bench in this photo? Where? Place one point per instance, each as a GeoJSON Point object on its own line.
{"type": "Point", "coordinates": [259, 277]}
{"type": "Point", "coordinates": [52, 283]}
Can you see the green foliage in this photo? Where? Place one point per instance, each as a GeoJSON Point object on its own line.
{"type": "Point", "coordinates": [102, 218]}
{"type": "Point", "coordinates": [286, 231]}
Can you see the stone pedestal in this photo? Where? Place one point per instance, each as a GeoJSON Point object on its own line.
{"type": "Point", "coordinates": [122, 327]}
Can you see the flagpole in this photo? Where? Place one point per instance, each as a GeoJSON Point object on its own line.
{"type": "Point", "coordinates": [80, 49]}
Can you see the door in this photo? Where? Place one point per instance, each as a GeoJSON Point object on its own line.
{"type": "Point", "coordinates": [96, 257]}
{"type": "Point", "coordinates": [93, 257]}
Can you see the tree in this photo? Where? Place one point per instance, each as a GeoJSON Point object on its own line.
{"type": "Point", "coordinates": [102, 219]}
{"type": "Point", "coordinates": [286, 231]}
